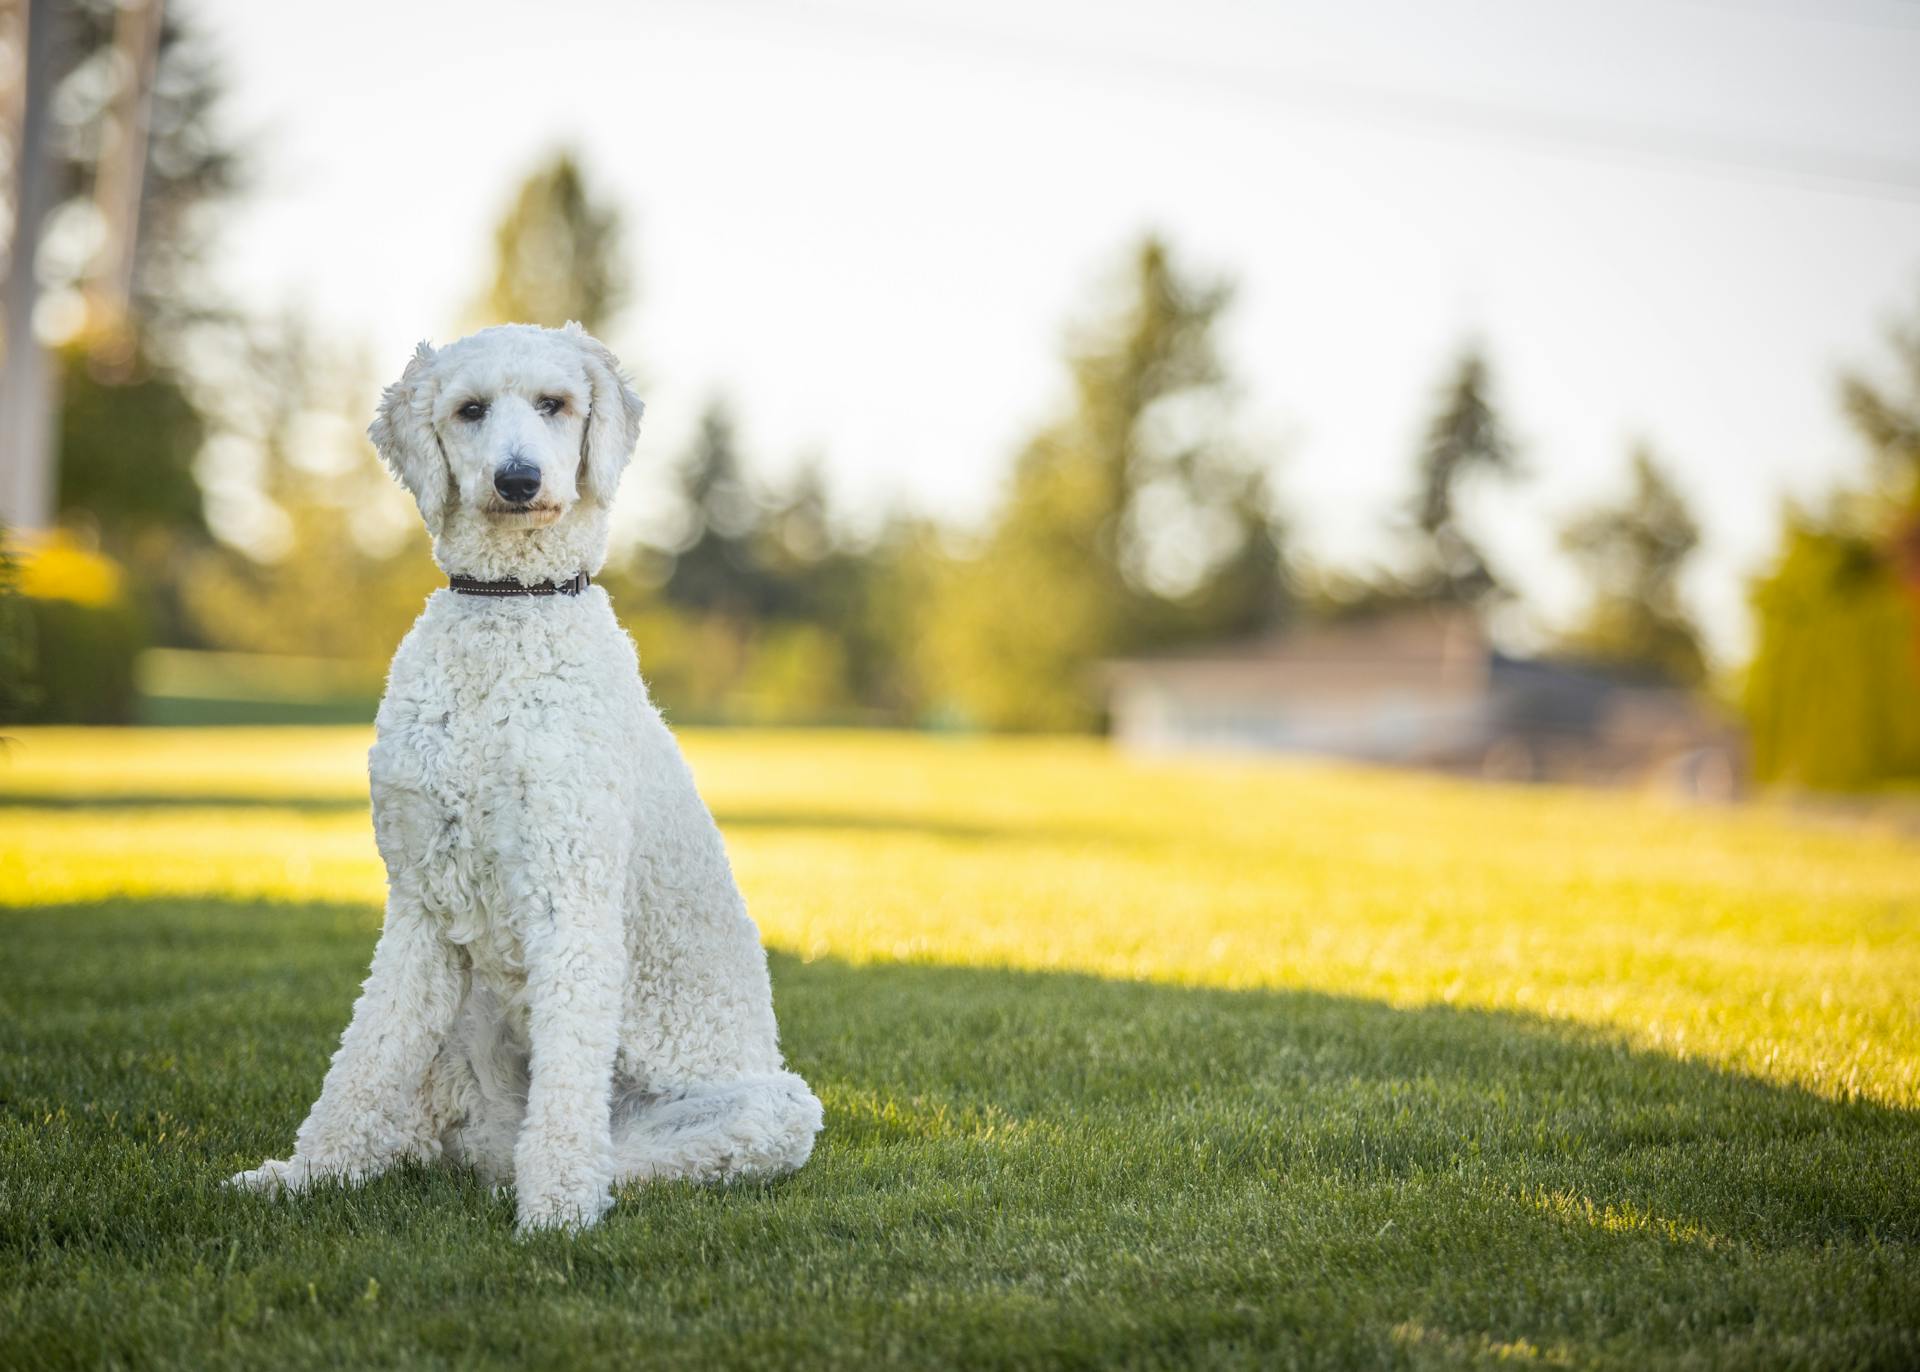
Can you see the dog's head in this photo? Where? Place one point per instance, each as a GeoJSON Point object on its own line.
{"type": "Point", "coordinates": [510, 429]}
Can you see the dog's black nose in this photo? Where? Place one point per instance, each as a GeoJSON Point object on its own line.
{"type": "Point", "coordinates": [517, 480]}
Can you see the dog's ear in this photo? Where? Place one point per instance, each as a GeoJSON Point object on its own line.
{"type": "Point", "coordinates": [402, 432]}
{"type": "Point", "coordinates": [613, 418]}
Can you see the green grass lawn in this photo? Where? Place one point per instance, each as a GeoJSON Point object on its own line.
{"type": "Point", "coordinates": [1124, 1063]}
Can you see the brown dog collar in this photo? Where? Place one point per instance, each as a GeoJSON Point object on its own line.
{"type": "Point", "coordinates": [467, 585]}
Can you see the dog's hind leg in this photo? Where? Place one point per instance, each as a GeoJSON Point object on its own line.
{"type": "Point", "coordinates": [753, 1126]}
{"type": "Point", "coordinates": [483, 1075]}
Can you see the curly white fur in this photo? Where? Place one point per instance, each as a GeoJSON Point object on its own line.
{"type": "Point", "coordinates": [568, 991]}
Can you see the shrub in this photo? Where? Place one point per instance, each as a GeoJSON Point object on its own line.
{"type": "Point", "coordinates": [1831, 695]}
{"type": "Point", "coordinates": [80, 636]}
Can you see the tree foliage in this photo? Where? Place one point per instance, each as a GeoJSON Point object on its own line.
{"type": "Point", "coordinates": [717, 567]}
{"type": "Point", "coordinates": [128, 428]}
{"type": "Point", "coordinates": [1833, 693]}
{"type": "Point", "coordinates": [74, 638]}
{"type": "Point", "coordinates": [1466, 442]}
{"type": "Point", "coordinates": [758, 610]}
{"type": "Point", "coordinates": [193, 166]}
{"type": "Point", "coordinates": [1134, 521]}
{"type": "Point", "coordinates": [1633, 555]}
{"type": "Point", "coordinates": [557, 254]}
{"type": "Point", "coordinates": [17, 658]}
{"type": "Point", "coordinates": [128, 440]}
{"type": "Point", "coordinates": [1889, 420]}
{"type": "Point", "coordinates": [338, 565]}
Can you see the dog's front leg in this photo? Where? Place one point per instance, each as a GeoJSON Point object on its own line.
{"type": "Point", "coordinates": [576, 974]}
{"type": "Point", "coordinates": [370, 1113]}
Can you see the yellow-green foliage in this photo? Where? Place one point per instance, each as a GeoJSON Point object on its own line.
{"type": "Point", "coordinates": [82, 635]}
{"type": "Point", "coordinates": [1833, 694]}
{"type": "Point", "coordinates": [714, 669]}
{"type": "Point", "coordinates": [1747, 937]}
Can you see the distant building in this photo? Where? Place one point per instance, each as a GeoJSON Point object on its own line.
{"type": "Point", "coordinates": [1424, 689]}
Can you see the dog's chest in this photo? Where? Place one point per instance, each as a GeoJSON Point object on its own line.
{"type": "Point", "coordinates": [466, 732]}
{"type": "Point", "coordinates": [437, 816]}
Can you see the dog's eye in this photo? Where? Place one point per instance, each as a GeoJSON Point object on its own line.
{"type": "Point", "coordinates": [550, 404]}
{"type": "Point", "coordinates": [473, 410]}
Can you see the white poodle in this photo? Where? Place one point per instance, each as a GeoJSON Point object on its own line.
{"type": "Point", "coordinates": [568, 991]}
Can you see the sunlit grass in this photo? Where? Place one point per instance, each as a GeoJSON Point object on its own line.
{"type": "Point", "coordinates": [1124, 1061]}
{"type": "Point", "coordinates": [115, 764]}
{"type": "Point", "coordinates": [1747, 936]}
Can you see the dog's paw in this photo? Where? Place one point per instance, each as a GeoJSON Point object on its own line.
{"type": "Point", "coordinates": [544, 1209]}
{"type": "Point", "coordinates": [272, 1177]}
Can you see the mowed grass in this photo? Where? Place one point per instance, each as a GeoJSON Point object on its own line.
{"type": "Point", "coordinates": [1125, 1064]}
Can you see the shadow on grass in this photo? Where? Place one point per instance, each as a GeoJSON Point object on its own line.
{"type": "Point", "coordinates": [1016, 1167]}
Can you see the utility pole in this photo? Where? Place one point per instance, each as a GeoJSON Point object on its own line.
{"type": "Point", "coordinates": [27, 394]}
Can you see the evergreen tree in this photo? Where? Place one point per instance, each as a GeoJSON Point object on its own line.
{"type": "Point", "coordinates": [757, 612]}
{"type": "Point", "coordinates": [798, 522]}
{"type": "Point", "coordinates": [1633, 555]}
{"type": "Point", "coordinates": [717, 568]}
{"type": "Point", "coordinates": [1465, 441]}
{"type": "Point", "coordinates": [1134, 521]}
{"type": "Point", "coordinates": [1889, 421]}
{"type": "Point", "coordinates": [557, 254]}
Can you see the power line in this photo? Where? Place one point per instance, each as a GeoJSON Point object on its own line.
{"type": "Point", "coordinates": [1424, 112]}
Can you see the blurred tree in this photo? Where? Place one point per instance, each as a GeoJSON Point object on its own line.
{"type": "Point", "coordinates": [1633, 554]}
{"type": "Point", "coordinates": [816, 575]}
{"type": "Point", "coordinates": [1833, 693]}
{"type": "Point", "coordinates": [192, 167]}
{"type": "Point", "coordinates": [796, 674]}
{"type": "Point", "coordinates": [899, 579]}
{"type": "Point", "coordinates": [557, 254]}
{"type": "Point", "coordinates": [17, 692]}
{"type": "Point", "coordinates": [128, 439]}
{"type": "Point", "coordinates": [1890, 421]}
{"type": "Point", "coordinates": [716, 568]}
{"type": "Point", "coordinates": [1250, 587]}
{"type": "Point", "coordinates": [1133, 522]}
{"type": "Point", "coordinates": [1465, 440]}
{"type": "Point", "coordinates": [130, 435]}
{"type": "Point", "coordinates": [334, 562]}
{"type": "Point", "coordinates": [141, 165]}
{"type": "Point", "coordinates": [756, 610]}
{"type": "Point", "coordinates": [82, 635]}
{"type": "Point", "coordinates": [797, 527]}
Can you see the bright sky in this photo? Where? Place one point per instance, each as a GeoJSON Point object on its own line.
{"type": "Point", "coordinates": [869, 223]}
